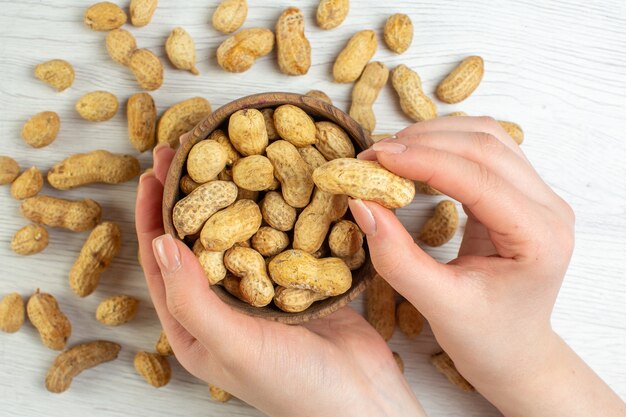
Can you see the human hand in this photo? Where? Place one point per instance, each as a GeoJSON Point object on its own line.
{"type": "Point", "coordinates": [337, 365]}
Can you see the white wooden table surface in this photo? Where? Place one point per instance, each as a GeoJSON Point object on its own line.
{"type": "Point", "coordinates": [556, 67]}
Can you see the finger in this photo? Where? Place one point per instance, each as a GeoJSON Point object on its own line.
{"type": "Point", "coordinates": [163, 156]}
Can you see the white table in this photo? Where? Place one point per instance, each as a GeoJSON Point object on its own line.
{"type": "Point", "coordinates": [555, 67]}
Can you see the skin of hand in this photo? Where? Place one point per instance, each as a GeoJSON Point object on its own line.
{"type": "Point", "coordinates": [489, 308]}
{"type": "Point", "coordinates": [337, 365]}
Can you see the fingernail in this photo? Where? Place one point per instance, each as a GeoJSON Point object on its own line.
{"type": "Point", "coordinates": [388, 138]}
{"type": "Point", "coordinates": [389, 147]}
{"type": "Point", "coordinates": [167, 253]}
{"type": "Point", "coordinates": [367, 154]}
{"type": "Point", "coordinates": [363, 216]}
{"type": "Point", "coordinates": [158, 148]}
{"type": "Point", "coordinates": [148, 173]}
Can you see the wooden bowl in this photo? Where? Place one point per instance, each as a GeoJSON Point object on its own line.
{"type": "Point", "coordinates": [318, 110]}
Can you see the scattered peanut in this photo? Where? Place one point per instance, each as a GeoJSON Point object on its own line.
{"type": "Point", "coordinates": [104, 16]}
{"type": "Point", "coordinates": [294, 125]}
{"type": "Point", "coordinates": [238, 53]}
{"type": "Point", "coordinates": [29, 240]}
{"type": "Point", "coordinates": [181, 118]}
{"type": "Point", "coordinates": [53, 326]}
{"type": "Point", "coordinates": [409, 319]}
{"type": "Point", "coordinates": [380, 307]}
{"type": "Point", "coordinates": [254, 173]}
{"type": "Point", "coordinates": [462, 81]}
{"type": "Point", "coordinates": [11, 313]}
{"type": "Point", "coordinates": [345, 239]}
{"type": "Point", "coordinates": [163, 347]}
{"type": "Point", "coordinates": [445, 365]}
{"type": "Point", "coordinates": [320, 95]}
{"type": "Point", "coordinates": [413, 101]}
{"type": "Point", "coordinates": [398, 32]}
{"type": "Point", "coordinates": [9, 170]}
{"type": "Point", "coordinates": [41, 129]}
{"type": "Point", "coordinates": [269, 241]}
{"type": "Point", "coordinates": [181, 50]}
{"type": "Point", "coordinates": [141, 113]}
{"type": "Point", "coordinates": [457, 114]}
{"type": "Point", "coordinates": [365, 93]}
{"type": "Point", "coordinates": [230, 15]}
{"type": "Point", "coordinates": [514, 131]}
{"type": "Point", "coordinates": [57, 73]}
{"type": "Point", "coordinates": [246, 129]}
{"type": "Point", "coordinates": [97, 106]}
{"type": "Point", "coordinates": [212, 263]}
{"type": "Point", "coordinates": [154, 368]}
{"type": "Point", "coordinates": [231, 225]}
{"type": "Point", "coordinates": [441, 227]}
{"type": "Point", "coordinates": [147, 68]}
{"type": "Point", "coordinates": [141, 11]}
{"type": "Point", "coordinates": [353, 58]}
{"type": "Point", "coordinates": [312, 157]}
{"type": "Point", "coordinates": [94, 167]}
{"type": "Point", "coordinates": [277, 213]}
{"type": "Point", "coordinates": [206, 159]}
{"type": "Point", "coordinates": [219, 394]}
{"type": "Point", "coordinates": [294, 300]}
{"type": "Point", "coordinates": [120, 45]}
{"type": "Point", "coordinates": [332, 13]}
{"type": "Point", "coordinates": [292, 172]}
{"type": "Point", "coordinates": [315, 220]}
{"type": "Point", "coordinates": [332, 141]}
{"type": "Point", "coordinates": [255, 286]}
{"type": "Point", "coordinates": [117, 310]}
{"type": "Point", "coordinates": [27, 185]}
{"type": "Point", "coordinates": [74, 215]}
{"type": "Point", "coordinates": [292, 47]}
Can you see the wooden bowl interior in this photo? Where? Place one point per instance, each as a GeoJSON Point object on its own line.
{"type": "Point", "coordinates": [319, 110]}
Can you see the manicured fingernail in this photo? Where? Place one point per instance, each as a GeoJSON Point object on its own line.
{"type": "Point", "coordinates": [159, 147]}
{"type": "Point", "coordinates": [363, 216]}
{"type": "Point", "coordinates": [148, 173]}
{"type": "Point", "coordinates": [367, 154]}
{"type": "Point", "coordinates": [389, 147]}
{"type": "Point", "coordinates": [167, 252]}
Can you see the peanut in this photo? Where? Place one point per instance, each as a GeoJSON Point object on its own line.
{"type": "Point", "coordinates": [353, 58]}
{"type": "Point", "coordinates": [11, 313]}
{"type": "Point", "coordinates": [163, 347]}
{"type": "Point", "coordinates": [294, 125]}
{"type": "Point", "coordinates": [292, 47]}
{"type": "Point", "coordinates": [154, 368]}
{"type": "Point", "coordinates": [269, 241]}
{"type": "Point", "coordinates": [180, 119]}
{"type": "Point", "coordinates": [104, 16]}
{"type": "Point", "coordinates": [246, 129]}
{"type": "Point", "coordinates": [345, 239]}
{"type": "Point", "coordinates": [312, 157]}
{"type": "Point", "coordinates": [445, 365]}
{"type": "Point", "coordinates": [187, 185]}
{"type": "Point", "coordinates": [254, 173]}
{"type": "Point", "coordinates": [244, 194]}
{"type": "Point", "coordinates": [206, 159]}
{"type": "Point", "coordinates": [74, 215]}
{"type": "Point", "coordinates": [27, 185]}
{"type": "Point", "coordinates": [380, 136]}
{"type": "Point", "coordinates": [409, 319]}
{"type": "Point", "coordinates": [141, 113]}
{"type": "Point", "coordinates": [238, 53]}
{"type": "Point", "coordinates": [277, 213]}
{"type": "Point", "coordinates": [77, 359]}
{"type": "Point", "coordinates": [219, 394]}
{"type": "Point", "coordinates": [441, 227]}
{"type": "Point", "coordinates": [255, 286]}
{"type": "Point", "coordinates": [320, 95]}
{"type": "Point", "coordinates": [220, 137]}
{"type": "Point", "coordinates": [331, 13]}
{"type": "Point", "coordinates": [190, 213]}
{"type": "Point", "coordinates": [292, 172]}
{"type": "Point", "coordinates": [298, 269]}
{"type": "Point", "coordinates": [102, 245]}
{"type": "Point", "coordinates": [399, 361]}
{"type": "Point", "coordinates": [212, 263]}
{"type": "Point", "coordinates": [513, 130]}
{"type": "Point", "coordinates": [98, 106]}
{"type": "Point", "coordinates": [268, 115]}
{"type": "Point", "coordinates": [294, 300]}
{"type": "Point", "coordinates": [53, 326]}
{"type": "Point", "coordinates": [147, 68]}
{"type": "Point", "coordinates": [181, 50]}
{"type": "Point", "coordinates": [365, 180]}
{"type": "Point", "coordinates": [457, 114]}
{"type": "Point", "coordinates": [462, 81]}
{"type": "Point", "coordinates": [141, 11]}
{"type": "Point", "coordinates": [231, 284]}
{"type": "Point", "coordinates": [120, 45]}
{"type": "Point", "coordinates": [380, 307]}
{"type": "Point", "coordinates": [231, 225]}
{"type": "Point", "coordinates": [365, 93]}
{"type": "Point", "coordinates": [94, 167]}
{"type": "Point", "coordinates": [41, 129]}
{"type": "Point", "coordinates": [9, 170]}
{"type": "Point", "coordinates": [29, 240]}
{"type": "Point", "coordinates": [57, 73]}
{"type": "Point", "coordinates": [314, 221]}
{"type": "Point", "coordinates": [355, 261]}
{"type": "Point", "coordinates": [413, 101]}
{"type": "Point", "coordinates": [398, 32]}
{"type": "Point", "coordinates": [230, 15]}
{"type": "Point", "coordinates": [117, 310]}
{"type": "Point", "coordinates": [332, 141]}
{"type": "Point", "coordinates": [424, 188]}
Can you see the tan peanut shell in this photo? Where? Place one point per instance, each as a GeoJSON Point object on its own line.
{"type": "Point", "coordinates": [75, 360]}
{"type": "Point", "coordinates": [220, 137]}
{"type": "Point", "coordinates": [181, 50]}
{"type": "Point", "coordinates": [345, 239]}
{"type": "Point", "coordinates": [141, 11]}
{"type": "Point", "coordinates": [444, 364]}
{"type": "Point", "coordinates": [94, 167]}
{"type": "Point", "coordinates": [187, 185]}
{"type": "Point", "coordinates": [57, 73]}
{"type": "Point", "coordinates": [292, 47]}
{"type": "Point", "coordinates": [380, 307]}
{"type": "Point", "coordinates": [180, 119]}
{"type": "Point", "coordinates": [294, 125]}
{"type": "Point", "coordinates": [244, 194]}
{"type": "Point", "coordinates": [212, 263]}
{"type": "Point", "coordinates": [238, 53]}
{"type": "Point", "coordinates": [355, 261]}
{"type": "Point", "coordinates": [331, 13]}
{"type": "Point", "coordinates": [246, 129]}
{"type": "Point", "coordinates": [398, 32]}
{"type": "Point", "coordinates": [29, 240]}
{"type": "Point", "coordinates": [255, 286]}
{"type": "Point", "coordinates": [141, 113]}
{"type": "Point", "coordinates": [105, 16]}
{"type": "Point", "coordinates": [233, 224]}
{"type": "Point", "coordinates": [97, 253]}
{"type": "Point", "coordinates": [219, 394]}
{"type": "Point", "coordinates": [206, 159]}
{"type": "Point", "coordinates": [414, 103]}
{"type": "Point", "coordinates": [74, 215]}
{"type": "Point", "coordinates": [313, 223]}
{"type": "Point", "coordinates": [399, 361]}
{"type": "Point", "coordinates": [154, 368]}
{"type": "Point", "coordinates": [441, 227]}
{"type": "Point", "coordinates": [117, 310]}
{"type": "Point", "coordinates": [53, 326]}
{"type": "Point", "coordinates": [353, 58]}
{"type": "Point", "coordinates": [9, 170]}
{"type": "Point", "coordinates": [513, 130]}
{"type": "Point", "coordinates": [120, 45]}
{"type": "Point", "coordinates": [365, 93]}
{"type": "Point", "coordinates": [424, 188]}
{"type": "Point", "coordinates": [11, 313]}
{"type": "Point", "coordinates": [294, 300]}
{"type": "Point", "coordinates": [457, 114]}
{"type": "Point", "coordinates": [293, 173]}
{"type": "Point", "coordinates": [163, 347]}
{"type": "Point", "coordinates": [320, 95]}
{"type": "Point", "coordinates": [268, 115]}
{"type": "Point", "coordinates": [41, 129]}
{"type": "Point", "coordinates": [254, 173]}
{"type": "Point", "coordinates": [190, 213]}
{"type": "Point", "coordinates": [409, 319]}
{"type": "Point", "coordinates": [366, 180]}
{"type": "Point", "coordinates": [276, 212]}
{"type": "Point", "coordinates": [312, 157]}
{"type": "Point", "coordinates": [332, 141]}
{"type": "Point", "coordinates": [230, 15]}
{"type": "Point", "coordinates": [226, 174]}
{"type": "Point", "coordinates": [298, 269]}
{"type": "Point", "coordinates": [147, 68]}
{"type": "Point", "coordinates": [462, 81]}
{"type": "Point", "coordinates": [28, 184]}
{"type": "Point", "coordinates": [97, 106]}
{"type": "Point", "coordinates": [269, 241]}
{"type": "Point", "coordinates": [231, 285]}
